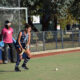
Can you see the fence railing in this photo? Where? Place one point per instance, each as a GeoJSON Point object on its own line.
{"type": "Point", "coordinates": [50, 40]}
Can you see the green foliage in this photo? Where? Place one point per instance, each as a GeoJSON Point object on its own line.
{"type": "Point", "coordinates": [75, 9]}
{"type": "Point", "coordinates": [68, 20]}
{"type": "Point", "coordinates": [63, 23]}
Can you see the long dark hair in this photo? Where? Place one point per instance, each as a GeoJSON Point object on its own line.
{"type": "Point", "coordinates": [27, 26]}
{"type": "Point", "coordinates": [0, 37]}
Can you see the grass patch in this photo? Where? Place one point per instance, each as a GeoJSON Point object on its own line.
{"type": "Point", "coordinates": [44, 68]}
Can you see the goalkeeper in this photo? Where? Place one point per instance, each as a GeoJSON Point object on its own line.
{"type": "Point", "coordinates": [22, 44]}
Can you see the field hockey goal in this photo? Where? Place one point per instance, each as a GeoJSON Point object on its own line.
{"type": "Point", "coordinates": [17, 15]}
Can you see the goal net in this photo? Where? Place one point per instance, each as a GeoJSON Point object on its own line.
{"type": "Point", "coordinates": [16, 15]}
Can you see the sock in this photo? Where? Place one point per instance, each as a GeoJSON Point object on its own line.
{"type": "Point", "coordinates": [18, 61]}
{"type": "Point", "coordinates": [26, 60]}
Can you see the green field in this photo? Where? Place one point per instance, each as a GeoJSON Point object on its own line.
{"type": "Point", "coordinates": [44, 68]}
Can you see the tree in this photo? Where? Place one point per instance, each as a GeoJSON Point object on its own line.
{"type": "Point", "coordinates": [8, 3]}
{"type": "Point", "coordinates": [75, 9]}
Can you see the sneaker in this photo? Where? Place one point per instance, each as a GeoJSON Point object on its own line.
{"type": "Point", "coordinates": [25, 67]}
{"type": "Point", "coordinates": [5, 62]}
{"type": "Point", "coordinates": [17, 69]}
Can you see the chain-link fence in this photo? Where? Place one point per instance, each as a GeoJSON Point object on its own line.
{"type": "Point", "coordinates": [50, 40]}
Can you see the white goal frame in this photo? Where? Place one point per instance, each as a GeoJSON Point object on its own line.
{"type": "Point", "coordinates": [17, 8]}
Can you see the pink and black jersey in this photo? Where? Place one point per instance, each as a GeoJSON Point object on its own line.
{"type": "Point", "coordinates": [7, 35]}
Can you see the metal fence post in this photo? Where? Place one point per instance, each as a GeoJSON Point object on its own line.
{"type": "Point", "coordinates": [36, 45]}
{"type": "Point", "coordinates": [56, 38]}
{"type": "Point", "coordinates": [79, 37]}
{"type": "Point", "coordinates": [62, 38]}
{"type": "Point", "coordinates": [43, 40]}
{"type": "Point", "coordinates": [72, 39]}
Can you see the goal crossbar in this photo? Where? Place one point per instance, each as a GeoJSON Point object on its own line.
{"type": "Point", "coordinates": [13, 8]}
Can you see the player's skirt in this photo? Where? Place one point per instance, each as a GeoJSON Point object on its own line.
{"type": "Point", "coordinates": [23, 45]}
